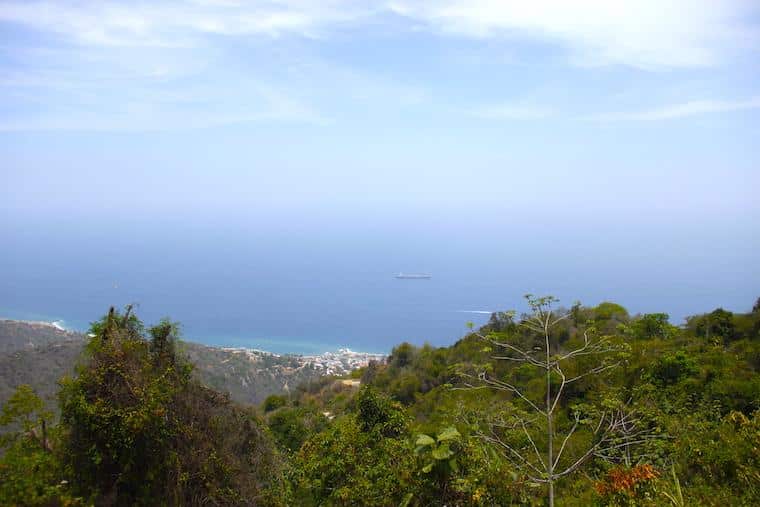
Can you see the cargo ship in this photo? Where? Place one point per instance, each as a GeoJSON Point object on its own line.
{"type": "Point", "coordinates": [413, 276]}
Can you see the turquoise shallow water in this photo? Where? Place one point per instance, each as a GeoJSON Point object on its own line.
{"type": "Point", "coordinates": [277, 344]}
{"type": "Point", "coordinates": [375, 326]}
{"type": "Point", "coordinates": [315, 292]}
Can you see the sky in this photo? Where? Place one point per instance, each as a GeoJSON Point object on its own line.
{"type": "Point", "coordinates": [615, 132]}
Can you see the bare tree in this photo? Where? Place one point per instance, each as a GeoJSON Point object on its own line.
{"type": "Point", "coordinates": [613, 429]}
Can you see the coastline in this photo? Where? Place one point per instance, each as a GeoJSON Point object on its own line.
{"type": "Point", "coordinates": [331, 362]}
{"type": "Point", "coordinates": [58, 324]}
{"type": "Point", "coordinates": [341, 362]}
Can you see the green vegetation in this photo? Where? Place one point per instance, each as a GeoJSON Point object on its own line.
{"type": "Point", "coordinates": [603, 407]}
{"type": "Point", "coordinates": [136, 428]}
{"type": "Point", "coordinates": [671, 400]}
{"type": "Point", "coordinates": [38, 355]}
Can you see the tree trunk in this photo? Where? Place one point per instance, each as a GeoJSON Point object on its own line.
{"type": "Point", "coordinates": [44, 436]}
{"type": "Point", "coordinates": [549, 424]}
{"type": "Point", "coordinates": [551, 493]}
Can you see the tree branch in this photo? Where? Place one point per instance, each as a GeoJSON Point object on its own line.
{"type": "Point", "coordinates": [533, 444]}
{"type": "Point", "coordinates": [513, 451]}
{"type": "Point", "coordinates": [567, 437]}
{"type": "Point", "coordinates": [593, 371]}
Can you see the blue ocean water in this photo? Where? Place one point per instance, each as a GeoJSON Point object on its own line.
{"type": "Point", "coordinates": [312, 290]}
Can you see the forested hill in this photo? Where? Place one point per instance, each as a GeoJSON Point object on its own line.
{"type": "Point", "coordinates": [20, 334]}
{"type": "Point", "coordinates": [651, 413]}
{"type": "Point", "coordinates": [39, 354]}
{"type": "Point", "coordinates": [574, 406]}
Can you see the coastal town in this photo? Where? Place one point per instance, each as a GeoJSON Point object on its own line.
{"type": "Point", "coordinates": [337, 363]}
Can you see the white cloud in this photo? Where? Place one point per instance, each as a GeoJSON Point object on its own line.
{"type": "Point", "coordinates": [175, 23]}
{"type": "Point", "coordinates": [643, 33]}
{"type": "Point", "coordinates": [682, 110]}
{"type": "Point", "coordinates": [171, 59]}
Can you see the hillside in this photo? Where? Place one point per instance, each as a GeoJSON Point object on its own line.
{"type": "Point", "coordinates": [657, 407]}
{"type": "Point", "coordinates": [39, 354]}
{"type": "Point", "coordinates": [24, 335]}
{"type": "Point", "coordinates": [580, 406]}
{"type": "Point", "coordinates": [249, 376]}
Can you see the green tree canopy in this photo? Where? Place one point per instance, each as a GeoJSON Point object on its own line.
{"type": "Point", "coordinates": [139, 428]}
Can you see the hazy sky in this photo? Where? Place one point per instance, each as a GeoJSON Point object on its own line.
{"type": "Point", "coordinates": [471, 120]}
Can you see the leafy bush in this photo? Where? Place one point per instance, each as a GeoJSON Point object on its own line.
{"type": "Point", "coordinates": [652, 325]}
{"type": "Point", "coordinates": [717, 324]}
{"type": "Point", "coordinates": [627, 486]}
{"type": "Point", "coordinates": [360, 459]}
{"type": "Point", "coordinates": [30, 471]}
{"type": "Point", "coordinates": [292, 426]}
{"type": "Point", "coordinates": [672, 367]}
{"type": "Point", "coordinates": [273, 402]}
{"type": "Point", "coordinates": [376, 412]}
{"type": "Point", "coordinates": [137, 427]}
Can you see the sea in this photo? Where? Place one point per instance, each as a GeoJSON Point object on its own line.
{"type": "Point", "coordinates": [312, 290]}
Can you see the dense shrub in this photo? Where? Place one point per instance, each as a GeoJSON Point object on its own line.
{"type": "Point", "coordinates": [138, 428]}
{"type": "Point", "coordinates": [362, 458]}
{"type": "Point", "coordinates": [672, 367]}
